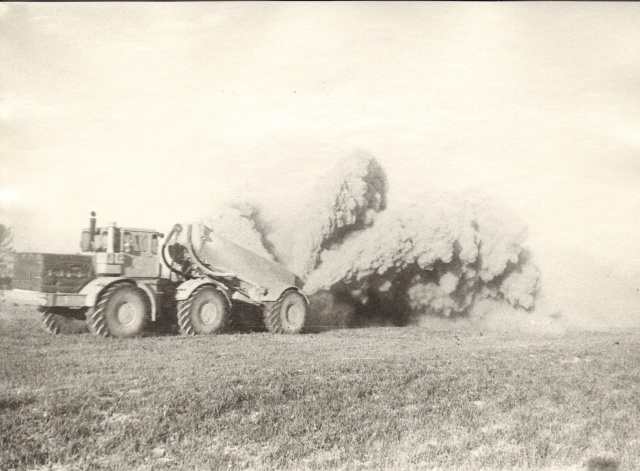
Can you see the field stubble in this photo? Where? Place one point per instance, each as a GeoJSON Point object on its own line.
{"type": "Point", "coordinates": [376, 398]}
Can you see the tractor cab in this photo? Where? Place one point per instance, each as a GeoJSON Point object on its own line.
{"type": "Point", "coordinates": [122, 251]}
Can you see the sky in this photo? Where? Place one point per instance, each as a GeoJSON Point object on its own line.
{"type": "Point", "coordinates": [155, 113]}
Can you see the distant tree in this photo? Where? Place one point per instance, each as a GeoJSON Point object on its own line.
{"type": "Point", "coordinates": [6, 254]}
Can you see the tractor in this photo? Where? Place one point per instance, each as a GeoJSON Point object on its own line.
{"type": "Point", "coordinates": [124, 280]}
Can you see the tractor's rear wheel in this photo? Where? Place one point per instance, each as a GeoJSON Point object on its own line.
{"type": "Point", "coordinates": [60, 320]}
{"type": "Point", "coordinates": [205, 312]}
{"type": "Point", "coordinates": [287, 315]}
{"type": "Point", "coordinates": [123, 310]}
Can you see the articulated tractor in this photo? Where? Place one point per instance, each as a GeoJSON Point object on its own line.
{"type": "Point", "coordinates": [123, 280]}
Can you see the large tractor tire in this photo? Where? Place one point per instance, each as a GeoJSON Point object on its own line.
{"type": "Point", "coordinates": [205, 312]}
{"type": "Point", "coordinates": [287, 315]}
{"type": "Point", "coordinates": [123, 310]}
{"type": "Point", "coordinates": [60, 320]}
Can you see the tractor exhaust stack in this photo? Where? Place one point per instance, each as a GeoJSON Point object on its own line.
{"type": "Point", "coordinates": [92, 229]}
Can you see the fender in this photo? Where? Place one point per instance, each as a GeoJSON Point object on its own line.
{"type": "Point", "coordinates": [297, 290]}
{"type": "Point", "coordinates": [188, 287]}
{"type": "Point", "coordinates": [94, 288]}
{"type": "Point", "coordinates": [277, 292]}
{"type": "Point", "coordinates": [152, 298]}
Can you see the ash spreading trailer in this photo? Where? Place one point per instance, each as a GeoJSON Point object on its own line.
{"type": "Point", "coordinates": [116, 286]}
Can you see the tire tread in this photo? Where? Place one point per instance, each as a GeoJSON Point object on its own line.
{"type": "Point", "coordinates": [58, 323]}
{"type": "Point", "coordinates": [96, 316]}
{"type": "Point", "coordinates": [272, 317]}
{"type": "Point", "coordinates": [185, 322]}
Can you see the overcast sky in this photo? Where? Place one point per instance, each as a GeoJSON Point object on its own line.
{"type": "Point", "coordinates": [150, 113]}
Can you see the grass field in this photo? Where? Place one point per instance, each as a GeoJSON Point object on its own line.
{"type": "Point", "coordinates": [377, 398]}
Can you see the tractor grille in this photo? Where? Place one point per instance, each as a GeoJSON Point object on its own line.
{"type": "Point", "coordinates": [52, 273]}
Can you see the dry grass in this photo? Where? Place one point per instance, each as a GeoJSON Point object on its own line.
{"type": "Point", "coordinates": [384, 398]}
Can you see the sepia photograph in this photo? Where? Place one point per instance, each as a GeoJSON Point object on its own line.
{"type": "Point", "coordinates": [374, 235]}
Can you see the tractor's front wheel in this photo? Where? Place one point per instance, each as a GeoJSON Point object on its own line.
{"type": "Point", "coordinates": [287, 315]}
{"type": "Point", "coordinates": [61, 320]}
{"type": "Point", "coordinates": [205, 312]}
{"type": "Point", "coordinates": [123, 310]}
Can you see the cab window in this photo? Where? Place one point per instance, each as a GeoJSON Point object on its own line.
{"type": "Point", "coordinates": [127, 242]}
{"type": "Point", "coordinates": [143, 242]}
{"type": "Point", "coordinates": [135, 243]}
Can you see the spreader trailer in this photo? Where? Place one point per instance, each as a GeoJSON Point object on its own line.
{"type": "Point", "coordinates": [117, 285]}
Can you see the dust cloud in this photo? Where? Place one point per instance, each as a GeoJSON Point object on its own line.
{"type": "Point", "coordinates": [438, 256]}
{"type": "Point", "coordinates": [240, 222]}
{"type": "Point", "coordinates": [344, 201]}
{"type": "Point", "coordinates": [365, 262]}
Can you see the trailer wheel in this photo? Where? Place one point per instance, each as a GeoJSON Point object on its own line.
{"type": "Point", "coordinates": [205, 312]}
{"type": "Point", "coordinates": [60, 320]}
{"type": "Point", "coordinates": [287, 314]}
{"type": "Point", "coordinates": [123, 310]}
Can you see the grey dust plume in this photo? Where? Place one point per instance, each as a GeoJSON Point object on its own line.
{"type": "Point", "coordinates": [365, 263]}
